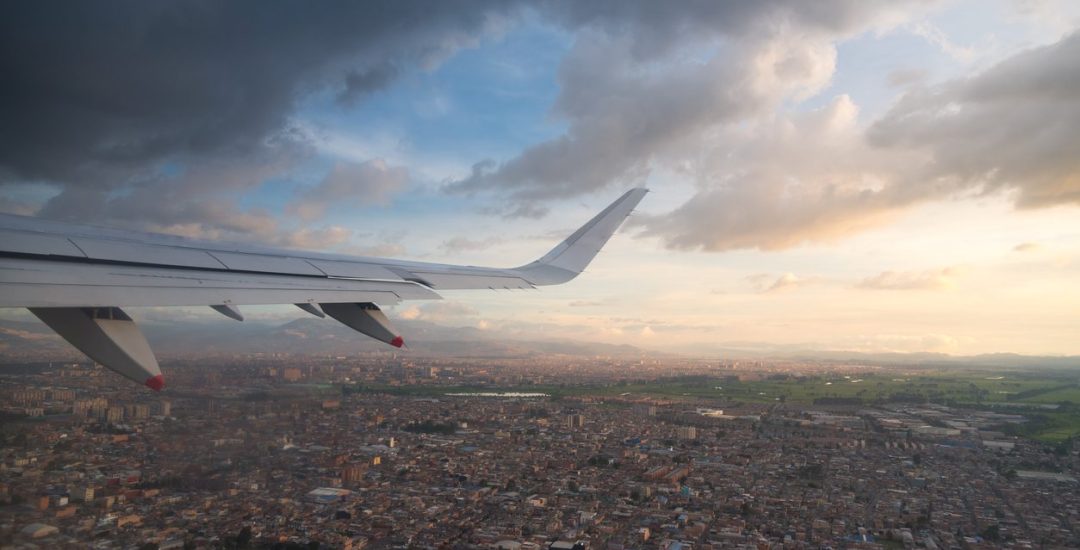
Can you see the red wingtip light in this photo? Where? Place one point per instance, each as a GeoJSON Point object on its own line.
{"type": "Point", "coordinates": [155, 382]}
{"type": "Point", "coordinates": [397, 342]}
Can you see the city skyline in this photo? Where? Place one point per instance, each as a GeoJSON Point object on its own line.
{"type": "Point", "coordinates": [876, 177]}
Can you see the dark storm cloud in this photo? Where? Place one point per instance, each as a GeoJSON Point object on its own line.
{"type": "Point", "coordinates": [126, 105]}
{"type": "Point", "coordinates": [358, 84]}
{"type": "Point", "coordinates": [96, 91]}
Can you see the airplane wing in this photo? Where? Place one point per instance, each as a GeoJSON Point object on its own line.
{"type": "Point", "coordinates": [77, 278]}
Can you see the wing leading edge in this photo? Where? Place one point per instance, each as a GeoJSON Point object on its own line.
{"type": "Point", "coordinates": [76, 278]}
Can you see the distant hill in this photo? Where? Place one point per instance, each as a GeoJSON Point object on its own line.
{"type": "Point", "coordinates": [21, 340]}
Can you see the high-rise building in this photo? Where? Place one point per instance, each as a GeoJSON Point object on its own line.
{"type": "Point", "coordinates": [28, 397]}
{"type": "Point", "coordinates": [81, 407]}
{"type": "Point", "coordinates": [353, 473]}
{"type": "Point", "coordinates": [98, 407]}
{"type": "Point", "coordinates": [62, 395]}
{"type": "Point", "coordinates": [574, 421]}
{"type": "Point", "coordinates": [138, 411]}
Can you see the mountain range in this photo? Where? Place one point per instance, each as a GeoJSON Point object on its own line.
{"type": "Point", "coordinates": [29, 340]}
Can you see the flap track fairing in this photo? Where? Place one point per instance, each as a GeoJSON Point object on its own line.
{"type": "Point", "coordinates": [366, 318]}
{"type": "Point", "coordinates": [109, 336]}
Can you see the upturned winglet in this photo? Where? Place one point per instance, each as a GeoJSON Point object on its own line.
{"type": "Point", "coordinates": [572, 256]}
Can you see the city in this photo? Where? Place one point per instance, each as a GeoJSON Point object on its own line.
{"type": "Point", "coordinates": [376, 451]}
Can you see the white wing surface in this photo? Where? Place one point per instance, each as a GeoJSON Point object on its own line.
{"type": "Point", "coordinates": [76, 278]}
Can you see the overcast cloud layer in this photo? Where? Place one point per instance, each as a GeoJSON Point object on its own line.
{"type": "Point", "coordinates": [165, 115]}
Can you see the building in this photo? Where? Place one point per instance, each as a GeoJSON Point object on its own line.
{"type": "Point", "coordinates": [39, 530]}
{"type": "Point", "coordinates": [353, 473]}
{"type": "Point", "coordinates": [686, 432]}
{"type": "Point", "coordinates": [574, 421]}
{"type": "Point", "coordinates": [328, 495]}
{"type": "Point", "coordinates": [137, 411]}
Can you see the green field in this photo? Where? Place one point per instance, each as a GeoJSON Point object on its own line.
{"type": "Point", "coordinates": [1025, 393]}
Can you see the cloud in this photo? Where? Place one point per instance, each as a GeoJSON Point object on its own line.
{"type": "Point", "coordinates": [381, 250]}
{"type": "Point", "coordinates": [322, 238]}
{"type": "Point", "coordinates": [348, 184]}
{"type": "Point", "coordinates": [359, 84]}
{"type": "Point", "coordinates": [645, 85]}
{"type": "Point", "coordinates": [455, 245]}
{"type": "Point", "coordinates": [655, 30]}
{"type": "Point", "coordinates": [1026, 247]}
{"type": "Point", "coordinates": [441, 311]}
{"type": "Point", "coordinates": [1014, 126]}
{"type": "Point", "coordinates": [703, 92]}
{"type": "Point", "coordinates": [775, 184]}
{"type": "Point", "coordinates": [786, 281]}
{"type": "Point", "coordinates": [104, 91]}
{"type": "Point", "coordinates": [911, 280]}
{"type": "Point", "coordinates": [636, 96]}
{"type": "Point", "coordinates": [131, 110]}
{"type": "Point", "coordinates": [935, 36]}
{"type": "Point", "coordinates": [588, 303]}
{"type": "Point", "coordinates": [623, 118]}
{"type": "Point", "coordinates": [156, 120]}
{"type": "Point", "coordinates": [819, 177]}
{"type": "Point", "coordinates": [521, 209]}
{"type": "Point", "coordinates": [530, 211]}
{"type": "Point", "coordinates": [765, 283]}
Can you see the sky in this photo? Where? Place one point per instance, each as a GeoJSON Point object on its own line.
{"type": "Point", "coordinates": [893, 176]}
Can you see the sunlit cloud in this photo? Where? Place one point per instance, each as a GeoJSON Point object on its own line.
{"type": "Point", "coordinates": [911, 280]}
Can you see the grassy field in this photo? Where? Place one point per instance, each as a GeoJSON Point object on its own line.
{"type": "Point", "coordinates": [1023, 392]}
